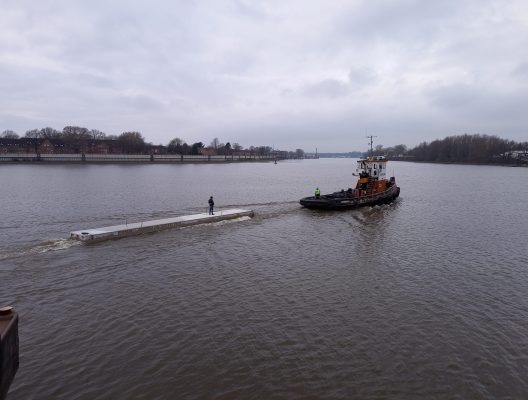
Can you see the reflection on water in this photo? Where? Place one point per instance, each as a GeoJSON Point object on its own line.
{"type": "Point", "coordinates": [422, 298]}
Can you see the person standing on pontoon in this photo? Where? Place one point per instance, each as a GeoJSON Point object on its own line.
{"type": "Point", "coordinates": [211, 205]}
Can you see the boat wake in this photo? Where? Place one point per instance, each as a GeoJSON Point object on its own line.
{"type": "Point", "coordinates": [39, 248]}
{"type": "Point", "coordinates": [52, 245]}
{"type": "Point", "coordinates": [218, 223]}
{"type": "Point", "coordinates": [228, 221]}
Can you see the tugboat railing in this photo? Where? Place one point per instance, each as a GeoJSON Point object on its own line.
{"type": "Point", "coordinates": [375, 196]}
{"type": "Point", "coordinates": [361, 198]}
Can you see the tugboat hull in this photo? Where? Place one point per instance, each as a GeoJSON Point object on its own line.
{"type": "Point", "coordinates": [341, 201]}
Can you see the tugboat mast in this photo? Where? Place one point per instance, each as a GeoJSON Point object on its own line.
{"type": "Point", "coordinates": [371, 149]}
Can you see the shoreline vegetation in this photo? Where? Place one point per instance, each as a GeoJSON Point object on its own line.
{"type": "Point", "coordinates": [78, 144]}
{"type": "Point", "coordinates": [82, 142]}
{"type": "Point", "coordinates": [468, 149]}
{"type": "Point", "coordinates": [462, 149]}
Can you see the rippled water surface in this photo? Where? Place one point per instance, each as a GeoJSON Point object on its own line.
{"type": "Point", "coordinates": [423, 298]}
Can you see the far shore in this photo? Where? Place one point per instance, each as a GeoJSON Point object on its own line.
{"type": "Point", "coordinates": [499, 164]}
{"type": "Point", "coordinates": [34, 158]}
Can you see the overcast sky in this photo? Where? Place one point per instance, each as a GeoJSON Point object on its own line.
{"type": "Point", "coordinates": [293, 74]}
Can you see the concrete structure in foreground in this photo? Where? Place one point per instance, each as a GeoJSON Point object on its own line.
{"type": "Point", "coordinates": [137, 228]}
{"type": "Point", "coordinates": [8, 348]}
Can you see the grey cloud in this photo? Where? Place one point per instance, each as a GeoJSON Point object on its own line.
{"type": "Point", "coordinates": [331, 88]}
{"type": "Point", "coordinates": [140, 103]}
{"type": "Point", "coordinates": [361, 76]}
{"type": "Point", "coordinates": [358, 78]}
{"type": "Point", "coordinates": [521, 71]}
{"type": "Point", "coordinates": [413, 20]}
{"type": "Point", "coordinates": [484, 107]}
{"type": "Point", "coordinates": [93, 80]}
{"type": "Point", "coordinates": [251, 9]}
{"type": "Point", "coordinates": [453, 96]}
{"type": "Point", "coordinates": [19, 123]}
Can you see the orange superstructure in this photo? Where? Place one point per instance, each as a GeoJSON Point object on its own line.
{"type": "Point", "coordinates": [372, 172]}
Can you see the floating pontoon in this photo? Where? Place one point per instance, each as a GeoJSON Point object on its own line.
{"type": "Point", "coordinates": [137, 228]}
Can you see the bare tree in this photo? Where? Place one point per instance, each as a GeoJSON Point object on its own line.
{"type": "Point", "coordinates": [299, 153]}
{"type": "Point", "coordinates": [76, 138]}
{"type": "Point", "coordinates": [196, 148]}
{"type": "Point", "coordinates": [33, 133]}
{"type": "Point", "coordinates": [50, 133]}
{"type": "Point", "coordinates": [215, 143]}
{"type": "Point", "coordinates": [132, 142]}
{"type": "Point", "coordinates": [96, 134]}
{"type": "Point", "coordinates": [176, 141]}
{"type": "Point", "coordinates": [76, 133]}
{"type": "Point", "coordinates": [176, 146]}
{"type": "Point", "coordinates": [9, 134]}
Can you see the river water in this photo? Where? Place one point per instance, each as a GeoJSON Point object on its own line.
{"type": "Point", "coordinates": [424, 298]}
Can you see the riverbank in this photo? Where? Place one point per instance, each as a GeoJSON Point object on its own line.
{"type": "Point", "coordinates": [129, 158]}
{"type": "Point", "coordinates": [517, 163]}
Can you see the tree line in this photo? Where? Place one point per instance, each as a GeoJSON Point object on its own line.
{"type": "Point", "coordinates": [133, 142]}
{"type": "Point", "coordinates": [476, 148]}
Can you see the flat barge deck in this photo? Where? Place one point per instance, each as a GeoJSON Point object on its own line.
{"type": "Point", "coordinates": [138, 228]}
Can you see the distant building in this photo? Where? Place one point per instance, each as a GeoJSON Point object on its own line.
{"type": "Point", "coordinates": [519, 154]}
{"type": "Point", "coordinates": [159, 149]}
{"type": "Point", "coordinates": [9, 145]}
{"type": "Point", "coordinates": [516, 154]}
{"type": "Point", "coordinates": [208, 151]}
{"type": "Point", "coordinates": [32, 145]}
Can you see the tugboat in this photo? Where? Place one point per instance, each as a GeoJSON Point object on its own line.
{"type": "Point", "coordinates": [372, 188]}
